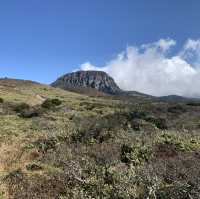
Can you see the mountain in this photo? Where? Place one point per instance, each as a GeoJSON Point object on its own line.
{"type": "Point", "coordinates": [99, 83]}
{"type": "Point", "coordinates": [97, 80]}
{"type": "Point", "coordinates": [176, 98]}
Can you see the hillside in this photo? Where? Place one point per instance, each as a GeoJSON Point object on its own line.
{"type": "Point", "coordinates": [60, 144]}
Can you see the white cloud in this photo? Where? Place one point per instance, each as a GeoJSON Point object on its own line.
{"type": "Point", "coordinates": [162, 44]}
{"type": "Point", "coordinates": [148, 68]}
{"type": "Point", "coordinates": [192, 44]}
{"type": "Point", "coordinates": [88, 66]}
{"type": "Point", "coordinates": [191, 51]}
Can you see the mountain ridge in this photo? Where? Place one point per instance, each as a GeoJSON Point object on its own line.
{"type": "Point", "coordinates": [102, 92]}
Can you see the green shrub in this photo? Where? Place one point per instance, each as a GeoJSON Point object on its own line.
{"type": "Point", "coordinates": [29, 113]}
{"type": "Point", "coordinates": [51, 103]}
{"type": "Point", "coordinates": [179, 190]}
{"type": "Point", "coordinates": [176, 109]}
{"type": "Point", "coordinates": [193, 104]}
{"type": "Point", "coordinates": [25, 111]}
{"type": "Point", "coordinates": [1, 100]}
{"type": "Point", "coordinates": [89, 136]}
{"type": "Point", "coordinates": [56, 102]}
{"type": "Point", "coordinates": [179, 143]}
{"type": "Point", "coordinates": [19, 108]}
{"type": "Point", "coordinates": [137, 115]}
{"type": "Point", "coordinates": [136, 124]}
{"type": "Point", "coordinates": [126, 153]}
{"type": "Point", "coordinates": [135, 155]}
{"type": "Point", "coordinates": [88, 106]}
{"type": "Point", "coordinates": [45, 144]}
{"type": "Point", "coordinates": [160, 123]}
{"type": "Point", "coordinates": [33, 167]}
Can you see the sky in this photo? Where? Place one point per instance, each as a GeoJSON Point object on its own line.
{"type": "Point", "coordinates": [148, 46]}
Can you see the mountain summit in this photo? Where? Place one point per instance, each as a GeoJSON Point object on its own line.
{"type": "Point", "coordinates": [98, 80]}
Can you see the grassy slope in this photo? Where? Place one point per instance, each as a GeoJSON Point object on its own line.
{"type": "Point", "coordinates": [18, 133]}
{"type": "Point", "coordinates": [91, 147]}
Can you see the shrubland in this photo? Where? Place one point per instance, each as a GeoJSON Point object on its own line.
{"type": "Point", "coordinates": [58, 144]}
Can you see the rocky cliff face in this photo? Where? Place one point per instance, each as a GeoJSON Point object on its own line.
{"type": "Point", "coordinates": [88, 79]}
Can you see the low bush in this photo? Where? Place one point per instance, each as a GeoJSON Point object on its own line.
{"type": "Point", "coordinates": [137, 115]}
{"type": "Point", "coordinates": [1, 100]}
{"type": "Point", "coordinates": [29, 113]}
{"type": "Point", "coordinates": [45, 144]}
{"type": "Point", "coordinates": [19, 108]}
{"type": "Point", "coordinates": [135, 155]}
{"type": "Point", "coordinates": [178, 143]}
{"type": "Point", "coordinates": [51, 103]}
{"type": "Point", "coordinates": [160, 123]}
{"type": "Point", "coordinates": [33, 167]}
{"type": "Point", "coordinates": [56, 102]}
{"type": "Point", "coordinates": [176, 109]}
{"type": "Point", "coordinates": [25, 111]}
{"type": "Point", "coordinates": [193, 104]}
{"type": "Point", "coordinates": [178, 190]}
{"type": "Point", "coordinates": [88, 106]}
{"type": "Point", "coordinates": [136, 124]}
{"type": "Point", "coordinates": [89, 136]}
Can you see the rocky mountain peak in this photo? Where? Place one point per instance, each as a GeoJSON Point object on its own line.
{"type": "Point", "coordinates": [98, 80]}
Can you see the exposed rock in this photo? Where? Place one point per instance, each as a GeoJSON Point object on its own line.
{"type": "Point", "coordinates": [88, 79]}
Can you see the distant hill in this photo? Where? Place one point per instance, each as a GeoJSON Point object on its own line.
{"type": "Point", "coordinates": [176, 98]}
{"type": "Point", "coordinates": [9, 82]}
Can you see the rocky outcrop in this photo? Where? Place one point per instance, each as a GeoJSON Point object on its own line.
{"type": "Point", "coordinates": [98, 80]}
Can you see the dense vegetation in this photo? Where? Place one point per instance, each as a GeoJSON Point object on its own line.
{"type": "Point", "coordinates": [57, 144]}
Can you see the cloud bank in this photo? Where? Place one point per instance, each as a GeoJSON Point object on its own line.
{"type": "Point", "coordinates": [151, 69]}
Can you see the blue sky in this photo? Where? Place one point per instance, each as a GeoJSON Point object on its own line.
{"type": "Point", "coordinates": [42, 39]}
